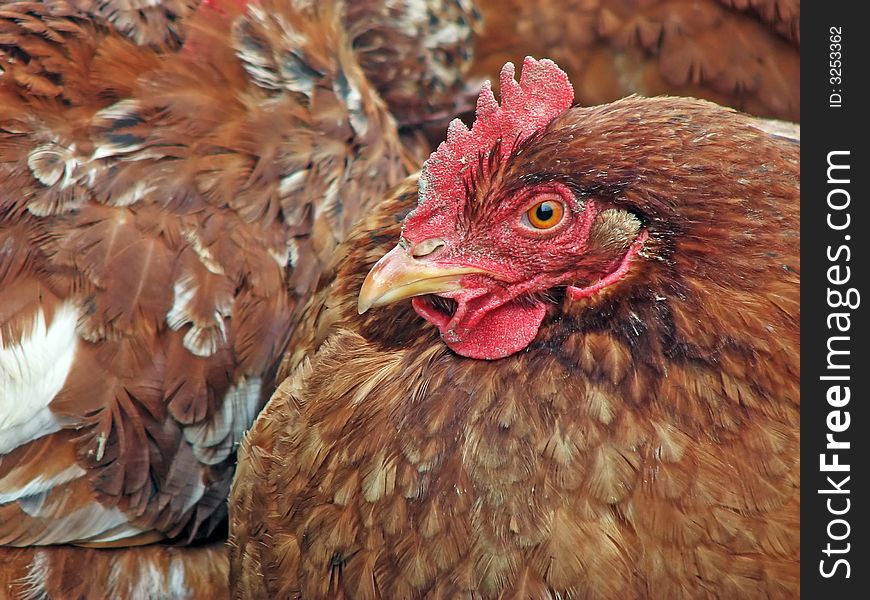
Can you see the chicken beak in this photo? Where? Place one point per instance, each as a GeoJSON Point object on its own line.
{"type": "Point", "coordinates": [398, 276]}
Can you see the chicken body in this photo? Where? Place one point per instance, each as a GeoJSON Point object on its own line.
{"type": "Point", "coordinates": [163, 218]}
{"type": "Point", "coordinates": [739, 53]}
{"type": "Point", "coordinates": [644, 444]}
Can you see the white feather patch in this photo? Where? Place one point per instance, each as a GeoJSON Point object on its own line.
{"type": "Point", "coordinates": [202, 339]}
{"type": "Point", "coordinates": [32, 585]}
{"type": "Point", "coordinates": [111, 120]}
{"type": "Point", "coordinates": [214, 440]}
{"type": "Point", "coordinates": [152, 580]}
{"type": "Point", "coordinates": [32, 372]}
{"type": "Point", "coordinates": [205, 255]}
{"type": "Point", "coordinates": [177, 584]}
{"type": "Point", "coordinates": [293, 204]}
{"type": "Point", "coordinates": [91, 523]}
{"type": "Point", "coordinates": [148, 582]}
{"type": "Point", "coordinates": [293, 183]}
{"type": "Point", "coordinates": [416, 12]}
{"type": "Point", "coordinates": [131, 194]}
{"type": "Point", "coordinates": [38, 484]}
{"type": "Point", "coordinates": [50, 162]}
{"type": "Point", "coordinates": [329, 199]}
{"type": "Point", "coordinates": [288, 257]}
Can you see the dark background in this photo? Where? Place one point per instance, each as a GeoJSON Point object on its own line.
{"type": "Point", "coordinates": [823, 130]}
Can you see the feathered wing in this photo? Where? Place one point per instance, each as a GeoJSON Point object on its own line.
{"type": "Point", "coordinates": [161, 221]}
{"type": "Point", "coordinates": [740, 53]}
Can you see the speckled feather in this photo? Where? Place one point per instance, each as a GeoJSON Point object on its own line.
{"type": "Point", "coordinates": [157, 23]}
{"type": "Point", "coordinates": [163, 218]}
{"type": "Point", "coordinates": [416, 53]}
{"type": "Point", "coordinates": [646, 444]}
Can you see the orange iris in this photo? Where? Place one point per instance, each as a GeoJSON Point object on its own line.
{"type": "Point", "coordinates": [546, 214]}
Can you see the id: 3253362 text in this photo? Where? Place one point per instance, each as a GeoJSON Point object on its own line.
{"type": "Point", "coordinates": [835, 66]}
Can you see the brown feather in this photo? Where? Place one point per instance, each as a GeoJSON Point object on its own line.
{"type": "Point", "coordinates": [198, 573]}
{"type": "Point", "coordinates": [155, 255]}
{"type": "Point", "coordinates": [739, 53]}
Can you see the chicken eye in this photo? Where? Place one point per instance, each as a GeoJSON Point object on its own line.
{"type": "Point", "coordinates": [546, 214]}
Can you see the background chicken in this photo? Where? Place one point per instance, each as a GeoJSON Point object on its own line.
{"type": "Point", "coordinates": [163, 217]}
{"type": "Point", "coordinates": [739, 53]}
{"type": "Point", "coordinates": [414, 54]}
{"type": "Point", "coordinates": [634, 268]}
{"type": "Point", "coordinates": [157, 23]}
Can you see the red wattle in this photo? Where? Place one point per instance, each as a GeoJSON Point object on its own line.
{"type": "Point", "coordinates": [502, 331]}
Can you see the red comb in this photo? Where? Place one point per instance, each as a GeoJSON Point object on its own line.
{"type": "Point", "coordinates": [542, 94]}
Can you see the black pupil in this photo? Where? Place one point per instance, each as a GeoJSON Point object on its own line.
{"type": "Point", "coordinates": [544, 212]}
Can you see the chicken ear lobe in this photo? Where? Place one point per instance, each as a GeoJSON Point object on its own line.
{"type": "Point", "coordinates": [577, 293]}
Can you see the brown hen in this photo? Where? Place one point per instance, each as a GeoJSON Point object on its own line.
{"type": "Point", "coordinates": [642, 442]}
{"type": "Point", "coordinates": [739, 53]}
